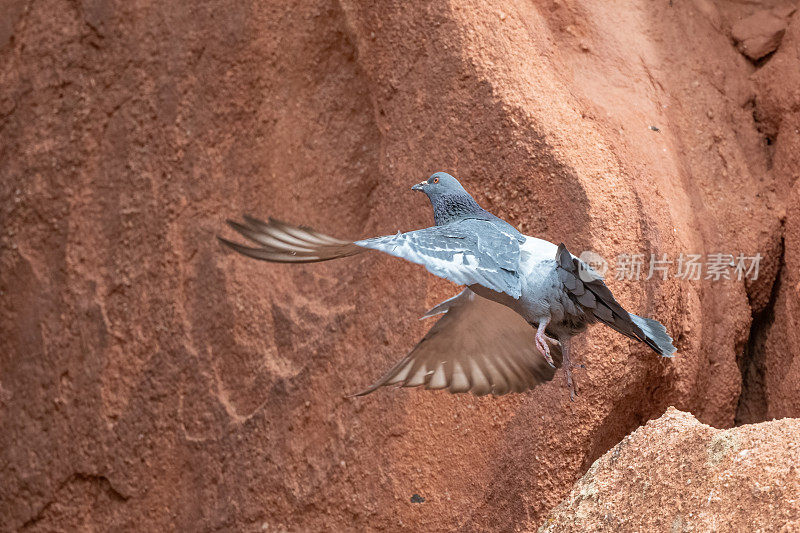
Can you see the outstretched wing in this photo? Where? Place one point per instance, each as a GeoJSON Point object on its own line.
{"type": "Point", "coordinates": [595, 302]}
{"type": "Point", "coordinates": [468, 252]}
{"type": "Point", "coordinates": [478, 346]}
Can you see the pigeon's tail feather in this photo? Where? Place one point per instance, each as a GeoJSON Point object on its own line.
{"type": "Point", "coordinates": [656, 335]}
{"type": "Point", "coordinates": [280, 242]}
{"type": "Point", "coordinates": [591, 295]}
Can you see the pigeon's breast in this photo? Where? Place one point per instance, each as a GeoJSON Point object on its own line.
{"type": "Point", "coordinates": [541, 288]}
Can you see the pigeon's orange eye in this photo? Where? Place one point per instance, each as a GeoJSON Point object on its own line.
{"type": "Point", "coordinates": [436, 180]}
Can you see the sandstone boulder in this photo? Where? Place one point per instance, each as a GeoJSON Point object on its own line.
{"type": "Point", "coordinates": [759, 34]}
{"type": "Point", "coordinates": [676, 474]}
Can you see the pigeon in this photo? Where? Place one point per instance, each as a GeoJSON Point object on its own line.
{"type": "Point", "coordinates": [511, 326]}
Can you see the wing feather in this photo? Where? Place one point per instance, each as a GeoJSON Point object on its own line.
{"type": "Point", "coordinates": [279, 242]}
{"type": "Point", "coordinates": [476, 346]}
{"type": "Point", "coordinates": [467, 252]}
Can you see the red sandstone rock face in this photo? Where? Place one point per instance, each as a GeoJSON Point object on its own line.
{"type": "Point", "coordinates": [150, 381]}
{"type": "Point", "coordinates": [676, 474]}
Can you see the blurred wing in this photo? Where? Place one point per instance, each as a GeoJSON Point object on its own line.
{"type": "Point", "coordinates": [473, 251]}
{"type": "Point", "coordinates": [280, 242]}
{"type": "Point", "coordinates": [478, 346]}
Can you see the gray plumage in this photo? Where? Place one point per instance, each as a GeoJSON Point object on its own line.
{"type": "Point", "coordinates": [510, 328]}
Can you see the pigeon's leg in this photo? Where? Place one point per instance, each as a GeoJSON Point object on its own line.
{"type": "Point", "coordinates": [565, 342]}
{"type": "Point", "coordinates": [541, 341]}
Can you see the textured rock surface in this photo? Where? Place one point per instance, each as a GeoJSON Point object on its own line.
{"type": "Point", "coordinates": [150, 381]}
{"type": "Point", "coordinates": [759, 34]}
{"type": "Point", "coordinates": [777, 369]}
{"type": "Point", "coordinates": [772, 358]}
{"type": "Point", "coordinates": [676, 474]}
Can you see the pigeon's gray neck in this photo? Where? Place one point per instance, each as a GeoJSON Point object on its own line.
{"type": "Point", "coordinates": [448, 208]}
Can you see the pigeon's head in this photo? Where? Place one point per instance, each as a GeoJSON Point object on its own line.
{"type": "Point", "coordinates": [449, 200]}
{"type": "Point", "coordinates": [438, 185]}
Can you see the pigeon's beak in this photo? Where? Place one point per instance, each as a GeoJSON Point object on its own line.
{"type": "Point", "coordinates": [419, 186]}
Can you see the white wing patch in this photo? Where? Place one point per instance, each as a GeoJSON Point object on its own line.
{"type": "Point", "coordinates": [467, 253]}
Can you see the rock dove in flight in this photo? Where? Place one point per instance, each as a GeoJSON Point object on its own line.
{"type": "Point", "coordinates": [507, 331]}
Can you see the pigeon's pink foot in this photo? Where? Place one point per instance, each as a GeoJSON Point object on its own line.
{"type": "Point", "coordinates": [541, 342]}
